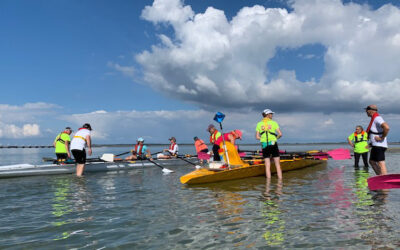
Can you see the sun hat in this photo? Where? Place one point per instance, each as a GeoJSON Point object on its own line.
{"type": "Point", "coordinates": [239, 133]}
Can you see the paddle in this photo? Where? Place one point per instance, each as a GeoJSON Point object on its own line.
{"type": "Point", "coordinates": [219, 117]}
{"type": "Point", "coordinates": [197, 166]}
{"type": "Point", "coordinates": [384, 182]}
{"type": "Point", "coordinates": [165, 170]}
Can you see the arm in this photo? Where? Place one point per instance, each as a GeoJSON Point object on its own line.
{"type": "Point", "coordinates": [67, 148]}
{"type": "Point", "coordinates": [89, 144]}
{"type": "Point", "coordinates": [350, 142]}
{"type": "Point", "coordinates": [278, 131]}
{"type": "Point", "coordinates": [258, 137]}
{"type": "Point", "coordinates": [386, 129]}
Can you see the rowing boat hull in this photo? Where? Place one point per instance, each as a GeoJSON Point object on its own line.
{"type": "Point", "coordinates": [21, 170]}
{"type": "Point", "coordinates": [201, 176]}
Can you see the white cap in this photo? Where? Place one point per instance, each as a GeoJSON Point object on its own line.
{"type": "Point", "coordinates": [268, 111]}
{"type": "Point", "coordinates": [140, 139]}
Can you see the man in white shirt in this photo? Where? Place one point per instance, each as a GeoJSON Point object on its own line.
{"type": "Point", "coordinates": [80, 141]}
{"type": "Point", "coordinates": [377, 131]}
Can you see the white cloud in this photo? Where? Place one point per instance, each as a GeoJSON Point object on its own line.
{"type": "Point", "coordinates": [23, 121]}
{"type": "Point", "coordinates": [158, 126]}
{"type": "Point", "coordinates": [224, 61]}
{"type": "Point", "coordinates": [125, 70]}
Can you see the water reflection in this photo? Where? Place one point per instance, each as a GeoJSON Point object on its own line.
{"type": "Point", "coordinates": [271, 211]}
{"type": "Point", "coordinates": [70, 198]}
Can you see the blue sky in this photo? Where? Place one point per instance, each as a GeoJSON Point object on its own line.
{"type": "Point", "coordinates": [162, 68]}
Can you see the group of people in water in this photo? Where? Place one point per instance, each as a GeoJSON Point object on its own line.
{"type": "Point", "coordinates": [267, 132]}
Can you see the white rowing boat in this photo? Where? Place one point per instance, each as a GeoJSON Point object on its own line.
{"type": "Point", "coordinates": [20, 170]}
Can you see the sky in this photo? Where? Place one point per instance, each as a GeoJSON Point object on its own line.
{"type": "Point", "coordinates": [163, 68]}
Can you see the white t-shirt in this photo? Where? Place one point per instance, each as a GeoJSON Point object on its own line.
{"type": "Point", "coordinates": [77, 141]}
{"type": "Point", "coordinates": [377, 128]}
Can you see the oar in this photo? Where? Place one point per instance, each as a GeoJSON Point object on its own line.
{"type": "Point", "coordinates": [219, 117]}
{"type": "Point", "coordinates": [384, 182]}
{"type": "Point", "coordinates": [165, 170]}
{"type": "Point", "coordinates": [197, 166]}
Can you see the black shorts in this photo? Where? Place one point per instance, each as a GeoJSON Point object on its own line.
{"type": "Point", "coordinates": [377, 154]}
{"type": "Point", "coordinates": [79, 156]}
{"type": "Point", "coordinates": [271, 151]}
{"type": "Point", "coordinates": [62, 156]}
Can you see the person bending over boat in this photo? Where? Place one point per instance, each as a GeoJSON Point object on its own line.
{"type": "Point", "coordinates": [214, 135]}
{"type": "Point", "coordinates": [81, 139]}
{"type": "Point", "coordinates": [359, 141]}
{"type": "Point", "coordinates": [172, 151]}
{"type": "Point", "coordinates": [141, 152]}
{"type": "Point", "coordinates": [201, 149]}
{"type": "Point", "coordinates": [228, 137]}
{"type": "Point", "coordinates": [268, 132]}
{"type": "Point", "coordinates": [377, 131]}
{"type": "Point", "coordinates": [61, 144]}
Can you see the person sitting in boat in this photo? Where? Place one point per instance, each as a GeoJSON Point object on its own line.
{"type": "Point", "coordinates": [170, 152]}
{"type": "Point", "coordinates": [359, 141]}
{"type": "Point", "coordinates": [61, 144]}
{"type": "Point", "coordinates": [141, 152]}
{"type": "Point", "coordinates": [201, 149]}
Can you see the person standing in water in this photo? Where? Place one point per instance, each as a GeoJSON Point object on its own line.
{"type": "Point", "coordinates": [359, 141]}
{"type": "Point", "coordinates": [268, 132]}
{"type": "Point", "coordinates": [61, 145]}
{"type": "Point", "coordinates": [377, 131]}
{"type": "Point", "coordinates": [81, 139]}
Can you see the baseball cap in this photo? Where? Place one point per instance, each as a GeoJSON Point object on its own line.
{"type": "Point", "coordinates": [268, 111]}
{"type": "Point", "coordinates": [87, 125]}
{"type": "Point", "coordinates": [195, 138]}
{"type": "Point", "coordinates": [68, 128]}
{"type": "Point", "coordinates": [372, 107]}
{"type": "Point", "coordinates": [210, 127]}
{"type": "Point", "coordinates": [140, 139]}
{"type": "Point", "coordinates": [172, 138]}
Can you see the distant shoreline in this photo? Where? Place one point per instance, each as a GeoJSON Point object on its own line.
{"type": "Point", "coordinates": [191, 144]}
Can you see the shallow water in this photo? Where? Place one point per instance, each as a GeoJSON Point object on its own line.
{"type": "Point", "coordinates": [322, 207]}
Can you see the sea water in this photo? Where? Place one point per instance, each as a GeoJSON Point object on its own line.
{"type": "Point", "coordinates": [319, 207]}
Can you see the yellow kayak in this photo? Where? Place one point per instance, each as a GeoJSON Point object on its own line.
{"type": "Point", "coordinates": [240, 169]}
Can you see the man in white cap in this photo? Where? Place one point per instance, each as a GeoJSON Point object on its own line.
{"type": "Point", "coordinates": [268, 132]}
{"type": "Point", "coordinates": [377, 131]}
{"type": "Point", "coordinates": [141, 152]}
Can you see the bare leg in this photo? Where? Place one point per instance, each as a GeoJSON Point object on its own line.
{"type": "Point", "coordinates": [375, 166]}
{"type": "Point", "coordinates": [267, 168]}
{"type": "Point", "coordinates": [79, 169]}
{"type": "Point", "coordinates": [267, 187]}
{"type": "Point", "coordinates": [382, 165]}
{"type": "Point", "coordinates": [131, 158]}
{"type": "Point", "coordinates": [278, 167]}
{"type": "Point", "coordinates": [279, 186]}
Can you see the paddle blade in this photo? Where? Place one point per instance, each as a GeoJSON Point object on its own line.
{"type": "Point", "coordinates": [384, 182]}
{"type": "Point", "coordinates": [339, 154]}
{"type": "Point", "coordinates": [107, 157]}
{"type": "Point", "coordinates": [219, 117]}
{"type": "Point", "coordinates": [167, 171]}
